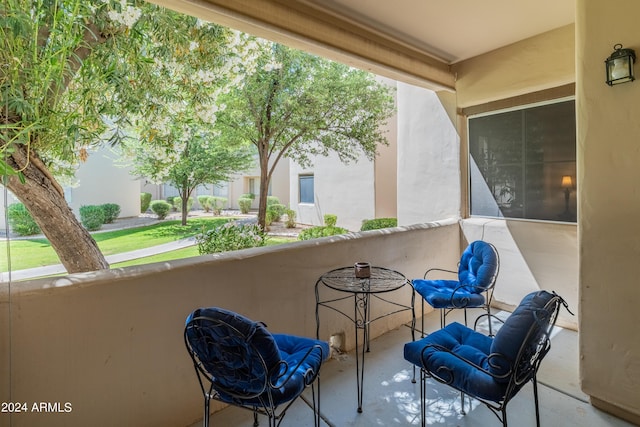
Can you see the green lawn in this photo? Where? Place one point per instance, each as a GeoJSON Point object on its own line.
{"type": "Point", "coordinates": [29, 253]}
{"type": "Point", "coordinates": [188, 252]}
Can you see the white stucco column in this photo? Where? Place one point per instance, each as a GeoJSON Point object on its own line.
{"type": "Point", "coordinates": [428, 158]}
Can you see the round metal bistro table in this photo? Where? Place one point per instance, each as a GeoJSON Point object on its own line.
{"type": "Point", "coordinates": [363, 290]}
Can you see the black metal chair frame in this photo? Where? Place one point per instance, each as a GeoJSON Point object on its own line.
{"type": "Point", "coordinates": [267, 407]}
{"type": "Point", "coordinates": [524, 368]}
{"type": "Point", "coordinates": [488, 291]}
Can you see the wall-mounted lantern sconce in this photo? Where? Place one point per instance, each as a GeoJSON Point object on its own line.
{"type": "Point", "coordinates": [620, 65]}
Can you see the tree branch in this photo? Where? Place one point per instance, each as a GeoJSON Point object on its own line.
{"type": "Point", "coordinates": [91, 38]}
{"type": "Point", "coordinates": [284, 149]}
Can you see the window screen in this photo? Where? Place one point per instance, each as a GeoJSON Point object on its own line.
{"type": "Point", "coordinates": [306, 188]}
{"type": "Point", "coordinates": [523, 163]}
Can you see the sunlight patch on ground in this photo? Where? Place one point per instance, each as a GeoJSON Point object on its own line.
{"type": "Point", "coordinates": [442, 403]}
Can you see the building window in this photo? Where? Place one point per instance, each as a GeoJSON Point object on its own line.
{"type": "Point", "coordinates": [252, 186]}
{"type": "Point", "coordinates": [221, 189]}
{"type": "Point", "coordinates": [521, 160]}
{"type": "Point", "coordinates": [306, 188]}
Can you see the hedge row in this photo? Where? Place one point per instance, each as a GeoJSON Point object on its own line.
{"type": "Point", "coordinates": [93, 216]}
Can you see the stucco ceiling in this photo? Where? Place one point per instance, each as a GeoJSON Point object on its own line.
{"type": "Point", "coordinates": [454, 30]}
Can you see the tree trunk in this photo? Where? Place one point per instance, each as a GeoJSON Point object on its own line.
{"type": "Point", "coordinates": [185, 202]}
{"type": "Point", "coordinates": [264, 191]}
{"type": "Point", "coordinates": [185, 193]}
{"type": "Point", "coordinates": [43, 197]}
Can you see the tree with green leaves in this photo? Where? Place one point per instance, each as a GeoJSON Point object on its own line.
{"type": "Point", "coordinates": [298, 106]}
{"type": "Point", "coordinates": [75, 74]}
{"type": "Point", "coordinates": [196, 158]}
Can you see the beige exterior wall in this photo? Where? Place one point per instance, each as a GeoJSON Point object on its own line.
{"type": "Point", "coordinates": [280, 182]}
{"type": "Point", "coordinates": [386, 168]}
{"type": "Point", "coordinates": [354, 192]}
{"type": "Point", "coordinates": [111, 343]}
{"type": "Point", "coordinates": [608, 172]}
{"type": "Point", "coordinates": [541, 62]}
{"type": "Point", "coordinates": [345, 190]}
{"type": "Point", "coordinates": [10, 199]}
{"type": "Point", "coordinates": [534, 254]}
{"type": "Point", "coordinates": [279, 185]}
{"type": "Point", "coordinates": [101, 180]}
{"type": "Point", "coordinates": [428, 156]}
{"type": "Point", "coordinates": [593, 261]}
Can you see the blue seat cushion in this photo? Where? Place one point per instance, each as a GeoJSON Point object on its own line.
{"type": "Point", "coordinates": [476, 272]}
{"type": "Point", "coordinates": [292, 351]}
{"type": "Point", "coordinates": [433, 354]}
{"type": "Point", "coordinates": [234, 360]}
{"type": "Point", "coordinates": [512, 334]}
{"type": "Point", "coordinates": [440, 294]}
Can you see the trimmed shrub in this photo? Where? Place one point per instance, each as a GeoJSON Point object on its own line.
{"type": "Point", "coordinates": [268, 218]}
{"type": "Point", "coordinates": [291, 218]}
{"type": "Point", "coordinates": [205, 202]}
{"type": "Point", "coordinates": [160, 208]}
{"type": "Point", "coordinates": [330, 220]}
{"type": "Point", "coordinates": [217, 204]}
{"type": "Point", "coordinates": [320, 231]}
{"type": "Point", "coordinates": [272, 200]}
{"type": "Point", "coordinates": [145, 200]}
{"type": "Point", "coordinates": [170, 201]}
{"type": "Point", "coordinates": [245, 204]}
{"type": "Point", "coordinates": [231, 237]}
{"type": "Point", "coordinates": [111, 212]}
{"type": "Point", "coordinates": [92, 217]}
{"type": "Point", "coordinates": [177, 203]}
{"type": "Point", "coordinates": [276, 210]}
{"type": "Point", "coordinates": [21, 221]}
{"type": "Point", "coordinates": [248, 196]}
{"type": "Point", "coordinates": [375, 224]}
{"type": "Point", "coordinates": [329, 229]}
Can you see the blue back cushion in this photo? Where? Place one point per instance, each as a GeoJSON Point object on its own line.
{"type": "Point", "coordinates": [231, 348]}
{"type": "Point", "coordinates": [511, 337]}
{"type": "Point", "coordinates": [478, 265]}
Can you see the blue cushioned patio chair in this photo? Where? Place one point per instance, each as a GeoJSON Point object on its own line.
{"type": "Point", "coordinates": [490, 369]}
{"type": "Point", "coordinates": [477, 272]}
{"type": "Point", "coordinates": [239, 362]}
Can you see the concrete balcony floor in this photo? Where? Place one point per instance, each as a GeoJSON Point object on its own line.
{"type": "Point", "coordinates": [391, 399]}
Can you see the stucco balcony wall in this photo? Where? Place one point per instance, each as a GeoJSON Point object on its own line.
{"type": "Point", "coordinates": [110, 343]}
